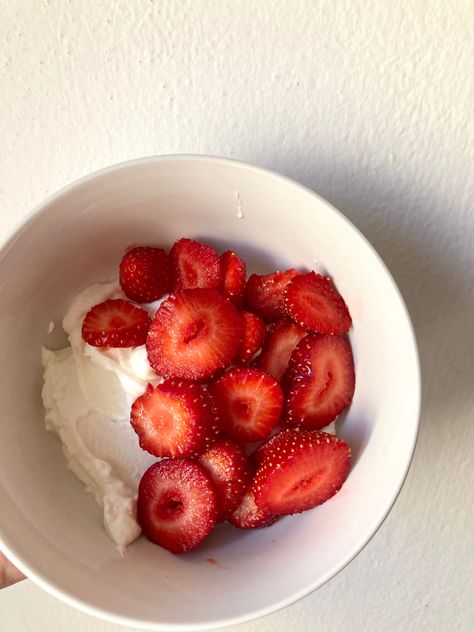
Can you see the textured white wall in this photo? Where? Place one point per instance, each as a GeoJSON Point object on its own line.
{"type": "Point", "coordinates": [367, 102]}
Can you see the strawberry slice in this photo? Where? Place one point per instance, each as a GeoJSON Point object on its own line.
{"type": "Point", "coordinates": [174, 419]}
{"type": "Point", "coordinates": [303, 470]}
{"type": "Point", "coordinates": [279, 345]}
{"type": "Point", "coordinates": [312, 302]}
{"type": "Point", "coordinates": [115, 323]}
{"type": "Point", "coordinates": [194, 334]}
{"type": "Point", "coordinates": [263, 450]}
{"type": "Point", "coordinates": [229, 470]}
{"type": "Point", "coordinates": [234, 275]}
{"type": "Point", "coordinates": [249, 403]}
{"type": "Point", "coordinates": [319, 382]}
{"type": "Point", "coordinates": [253, 335]}
{"type": "Point", "coordinates": [249, 516]}
{"type": "Point", "coordinates": [195, 265]}
{"type": "Point", "coordinates": [177, 504]}
{"type": "Point", "coordinates": [264, 294]}
{"type": "Point", "coordinates": [145, 274]}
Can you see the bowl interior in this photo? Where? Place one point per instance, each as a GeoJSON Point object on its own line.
{"type": "Point", "coordinates": [53, 529]}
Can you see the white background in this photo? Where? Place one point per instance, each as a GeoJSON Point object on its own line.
{"type": "Point", "coordinates": [365, 101]}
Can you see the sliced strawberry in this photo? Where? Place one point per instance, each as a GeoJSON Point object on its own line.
{"type": "Point", "coordinates": [234, 275]}
{"type": "Point", "coordinates": [195, 265]}
{"type": "Point", "coordinates": [249, 516]}
{"type": "Point", "coordinates": [177, 504]}
{"type": "Point", "coordinates": [319, 382]}
{"type": "Point", "coordinates": [174, 419]}
{"type": "Point", "coordinates": [145, 274]}
{"type": "Point", "coordinates": [194, 334]}
{"type": "Point", "coordinates": [301, 471]}
{"type": "Point", "coordinates": [229, 469]}
{"type": "Point", "coordinates": [279, 345]}
{"type": "Point", "coordinates": [263, 450]}
{"type": "Point", "coordinates": [249, 403]}
{"type": "Point", "coordinates": [253, 335]}
{"type": "Point", "coordinates": [313, 303]}
{"type": "Point", "coordinates": [264, 294]}
{"type": "Point", "coordinates": [116, 323]}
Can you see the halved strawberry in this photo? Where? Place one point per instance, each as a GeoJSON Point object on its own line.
{"type": "Point", "coordinates": [264, 294]}
{"type": "Point", "coordinates": [145, 274]}
{"type": "Point", "coordinates": [195, 265]}
{"type": "Point", "coordinates": [234, 275]}
{"type": "Point", "coordinates": [194, 334]}
{"type": "Point", "coordinates": [313, 303]}
{"type": "Point", "coordinates": [319, 382]}
{"type": "Point", "coordinates": [302, 471]}
{"type": "Point", "coordinates": [253, 335]}
{"type": "Point", "coordinates": [279, 345]}
{"type": "Point", "coordinates": [174, 419]}
{"type": "Point", "coordinates": [249, 403]}
{"type": "Point", "coordinates": [177, 504]}
{"type": "Point", "coordinates": [115, 323]}
{"type": "Point", "coordinates": [229, 469]}
{"type": "Point", "coordinates": [249, 516]}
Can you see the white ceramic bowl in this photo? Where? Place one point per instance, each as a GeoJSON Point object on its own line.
{"type": "Point", "coordinates": [52, 529]}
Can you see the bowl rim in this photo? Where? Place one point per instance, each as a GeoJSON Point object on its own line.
{"type": "Point", "coordinates": [82, 605]}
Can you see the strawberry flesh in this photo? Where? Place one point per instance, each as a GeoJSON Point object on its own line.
{"type": "Point", "coordinates": [195, 265]}
{"type": "Point", "coordinates": [301, 471]}
{"type": "Point", "coordinates": [313, 303]}
{"type": "Point", "coordinates": [264, 294]}
{"type": "Point", "coordinates": [230, 472]}
{"type": "Point", "coordinates": [145, 274]}
{"type": "Point", "coordinates": [320, 381]}
{"type": "Point", "coordinates": [194, 334]}
{"type": "Point", "coordinates": [234, 275]}
{"type": "Point", "coordinates": [115, 323]}
{"type": "Point", "coordinates": [174, 419]}
{"type": "Point", "coordinates": [177, 504]}
{"type": "Point", "coordinates": [249, 516]}
{"type": "Point", "coordinates": [279, 345]}
{"type": "Point", "coordinates": [253, 335]}
{"type": "Point", "coordinates": [249, 403]}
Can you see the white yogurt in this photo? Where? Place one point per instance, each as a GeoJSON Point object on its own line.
{"type": "Point", "coordinates": [87, 396]}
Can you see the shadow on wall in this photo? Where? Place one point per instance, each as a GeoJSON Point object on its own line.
{"type": "Point", "coordinates": [420, 250]}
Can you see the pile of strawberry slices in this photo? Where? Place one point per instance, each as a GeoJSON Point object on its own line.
{"type": "Point", "coordinates": [253, 370]}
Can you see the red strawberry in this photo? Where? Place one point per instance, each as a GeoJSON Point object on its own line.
{"type": "Point", "coordinates": [229, 469]}
{"type": "Point", "coordinates": [279, 345]}
{"type": "Point", "coordinates": [194, 334]}
{"type": "Point", "coordinates": [249, 516]}
{"type": "Point", "coordinates": [264, 294]}
{"type": "Point", "coordinates": [115, 323]}
{"type": "Point", "coordinates": [259, 454]}
{"type": "Point", "coordinates": [234, 275]}
{"type": "Point", "coordinates": [253, 335]}
{"type": "Point", "coordinates": [145, 274]}
{"type": "Point", "coordinates": [195, 265]}
{"type": "Point", "coordinates": [319, 382]}
{"type": "Point", "coordinates": [312, 302]}
{"type": "Point", "coordinates": [174, 419]}
{"type": "Point", "coordinates": [302, 471]}
{"type": "Point", "coordinates": [249, 403]}
{"type": "Point", "coordinates": [177, 504]}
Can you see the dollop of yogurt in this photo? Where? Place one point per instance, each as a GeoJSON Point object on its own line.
{"type": "Point", "coordinates": [87, 395]}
